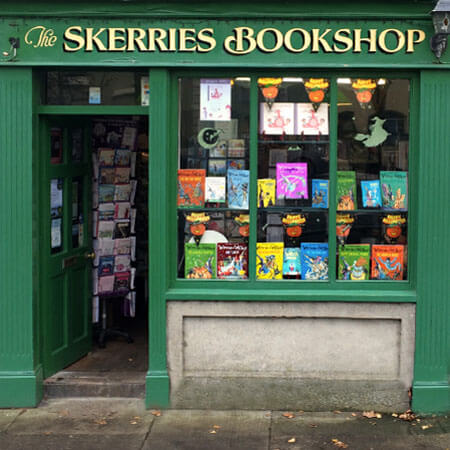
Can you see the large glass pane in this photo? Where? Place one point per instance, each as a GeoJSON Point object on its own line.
{"type": "Point", "coordinates": [293, 177]}
{"type": "Point", "coordinates": [213, 178]}
{"type": "Point", "coordinates": [372, 179]}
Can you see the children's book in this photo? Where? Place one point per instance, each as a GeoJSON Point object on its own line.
{"type": "Point", "coordinates": [122, 246]}
{"type": "Point", "coordinates": [277, 120]}
{"type": "Point", "coordinates": [354, 262]}
{"type": "Point", "coordinates": [219, 150]}
{"type": "Point", "coordinates": [105, 229]}
{"type": "Point", "coordinates": [215, 189]}
{"type": "Point", "coordinates": [217, 167]}
{"type": "Point", "coordinates": [371, 194]}
{"type": "Point", "coordinates": [346, 190]}
{"type": "Point", "coordinates": [106, 157]}
{"type": "Point", "coordinates": [107, 175]}
{"type": "Point", "coordinates": [238, 164]}
{"type": "Point", "coordinates": [200, 261]}
{"type": "Point", "coordinates": [310, 122]}
{"type": "Point", "coordinates": [106, 284]}
{"type": "Point", "coordinates": [122, 157]}
{"type": "Point", "coordinates": [387, 262]}
{"type": "Point", "coordinates": [122, 210]}
{"type": "Point", "coordinates": [106, 265]}
{"type": "Point", "coordinates": [122, 192]}
{"type": "Point", "coordinates": [106, 211]}
{"type": "Point", "coordinates": [121, 229]}
{"type": "Point", "coordinates": [266, 192]}
{"type": "Point", "coordinates": [292, 180]}
{"type": "Point", "coordinates": [291, 261]}
{"type": "Point", "coordinates": [269, 260]}
{"type": "Point", "coordinates": [104, 247]}
{"type": "Point", "coordinates": [236, 148]}
{"type": "Point", "coordinates": [122, 175]}
{"type": "Point", "coordinates": [122, 263]}
{"type": "Point", "coordinates": [106, 193]}
{"type": "Point", "coordinates": [121, 281]}
{"type": "Point", "coordinates": [394, 189]}
{"type": "Point", "coordinates": [191, 187]}
{"type": "Point", "coordinates": [232, 260]}
{"type": "Point", "coordinates": [314, 260]}
{"type": "Point", "coordinates": [319, 193]}
{"type": "Point", "coordinates": [238, 183]}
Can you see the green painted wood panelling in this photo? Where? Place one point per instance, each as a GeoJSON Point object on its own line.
{"type": "Point", "coordinates": [431, 381]}
{"type": "Point", "coordinates": [19, 376]}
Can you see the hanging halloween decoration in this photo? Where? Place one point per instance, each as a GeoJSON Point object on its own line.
{"type": "Point", "coordinates": [392, 225]}
{"type": "Point", "coordinates": [269, 89]}
{"type": "Point", "coordinates": [243, 221]}
{"type": "Point", "coordinates": [197, 226]}
{"type": "Point", "coordinates": [316, 89]}
{"type": "Point", "coordinates": [364, 89]}
{"type": "Point", "coordinates": [377, 134]}
{"type": "Point", "coordinates": [344, 224]}
{"type": "Point", "coordinates": [208, 137]}
{"type": "Point", "coordinates": [293, 224]}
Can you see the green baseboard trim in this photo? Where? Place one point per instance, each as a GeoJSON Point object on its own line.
{"type": "Point", "coordinates": [431, 398]}
{"type": "Point", "coordinates": [157, 389]}
{"type": "Point", "coordinates": [21, 389]}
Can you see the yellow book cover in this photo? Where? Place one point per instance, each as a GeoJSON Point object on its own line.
{"type": "Point", "coordinates": [266, 192]}
{"type": "Point", "coordinates": [269, 260]}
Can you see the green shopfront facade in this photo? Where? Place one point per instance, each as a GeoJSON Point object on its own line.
{"type": "Point", "coordinates": [245, 342]}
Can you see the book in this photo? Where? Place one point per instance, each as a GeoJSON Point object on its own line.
{"type": "Point", "coordinates": [219, 150]}
{"type": "Point", "coordinates": [122, 263]}
{"type": "Point", "coordinates": [133, 184]}
{"type": "Point", "coordinates": [106, 211]}
{"type": "Point", "coordinates": [104, 246]}
{"type": "Point", "coordinates": [106, 284]}
{"type": "Point", "coordinates": [292, 180]}
{"type": "Point", "coordinates": [310, 122]}
{"type": "Point", "coordinates": [238, 164]}
{"type": "Point", "coordinates": [346, 190]}
{"type": "Point", "coordinates": [217, 167]}
{"type": "Point", "coordinates": [314, 261]}
{"type": "Point", "coordinates": [129, 137]}
{"type": "Point", "coordinates": [354, 262]}
{"type": "Point", "coordinates": [291, 261]}
{"type": "Point", "coordinates": [121, 246]}
{"type": "Point", "coordinates": [107, 175]}
{"type": "Point", "coordinates": [191, 187]}
{"type": "Point", "coordinates": [200, 261]}
{"type": "Point", "coordinates": [387, 262]}
{"type": "Point", "coordinates": [237, 186]}
{"type": "Point", "coordinates": [106, 157]}
{"type": "Point", "coordinates": [121, 229]}
{"type": "Point", "coordinates": [319, 193]}
{"type": "Point", "coordinates": [106, 265]}
{"type": "Point", "coordinates": [121, 281]}
{"type": "Point", "coordinates": [215, 189]}
{"type": "Point", "coordinates": [122, 175]}
{"type": "Point", "coordinates": [266, 192]}
{"type": "Point", "coordinates": [122, 192]}
{"type": "Point", "coordinates": [277, 120]}
{"type": "Point", "coordinates": [133, 213]}
{"type": "Point", "coordinates": [122, 210]}
{"type": "Point", "coordinates": [232, 260]}
{"type": "Point", "coordinates": [269, 260]}
{"type": "Point", "coordinates": [105, 229]}
{"type": "Point", "coordinates": [371, 194]}
{"type": "Point", "coordinates": [236, 148]}
{"type": "Point", "coordinates": [122, 157]}
{"type": "Point", "coordinates": [394, 190]}
{"type": "Point", "coordinates": [106, 193]}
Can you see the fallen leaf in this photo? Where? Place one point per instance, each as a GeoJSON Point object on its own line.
{"type": "Point", "coordinates": [48, 433]}
{"type": "Point", "coordinates": [64, 412]}
{"type": "Point", "coordinates": [292, 441]}
{"type": "Point", "coordinates": [136, 418]}
{"type": "Point", "coordinates": [407, 415]}
{"type": "Point", "coordinates": [100, 422]}
{"type": "Point", "coordinates": [288, 415]}
{"type": "Point", "coordinates": [394, 415]}
{"type": "Point", "coordinates": [212, 431]}
{"type": "Point", "coordinates": [301, 412]}
{"type": "Point", "coordinates": [156, 413]}
{"type": "Point", "coordinates": [336, 412]}
{"type": "Point", "coordinates": [133, 422]}
{"type": "Point", "coordinates": [354, 414]}
{"type": "Point", "coordinates": [217, 427]}
{"type": "Point", "coordinates": [418, 420]}
{"type": "Point", "coordinates": [339, 443]}
{"type": "Point", "coordinates": [425, 427]}
{"type": "Point", "coordinates": [371, 415]}
{"type": "Point", "coordinates": [313, 425]}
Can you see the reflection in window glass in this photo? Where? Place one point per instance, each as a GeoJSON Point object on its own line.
{"type": "Point", "coordinates": [372, 179]}
{"type": "Point", "coordinates": [213, 178]}
{"type": "Point", "coordinates": [56, 214]}
{"type": "Point", "coordinates": [293, 179]}
{"type": "Point", "coordinates": [56, 146]}
{"type": "Point", "coordinates": [77, 212]}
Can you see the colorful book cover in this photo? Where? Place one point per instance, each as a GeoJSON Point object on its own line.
{"type": "Point", "coordinates": [354, 260]}
{"type": "Point", "coordinates": [394, 190]}
{"type": "Point", "coordinates": [215, 189]}
{"type": "Point", "coordinates": [122, 157]}
{"type": "Point", "coordinates": [314, 261]}
{"type": "Point", "coordinates": [106, 157]}
{"type": "Point", "coordinates": [238, 183]}
{"type": "Point", "coordinates": [106, 284]}
{"type": "Point", "coordinates": [292, 180]}
{"type": "Point", "coordinates": [105, 229]}
{"type": "Point", "coordinates": [232, 260]}
{"type": "Point", "coordinates": [266, 192]}
{"type": "Point", "coordinates": [122, 210]}
{"type": "Point", "coordinates": [346, 190]}
{"type": "Point", "coordinates": [291, 261]}
{"type": "Point", "coordinates": [191, 187]}
{"type": "Point", "coordinates": [238, 164]}
{"type": "Point", "coordinates": [106, 211]}
{"type": "Point", "coordinates": [122, 192]}
{"type": "Point", "coordinates": [215, 99]}
{"type": "Point", "coordinates": [269, 260]}
{"type": "Point", "coordinates": [236, 148]}
{"type": "Point", "coordinates": [200, 261]}
{"type": "Point", "coordinates": [387, 262]}
{"type": "Point", "coordinates": [121, 229]}
{"type": "Point", "coordinates": [104, 247]}
{"type": "Point", "coordinates": [107, 175]}
{"type": "Point", "coordinates": [106, 193]}
{"type": "Point", "coordinates": [121, 281]}
{"type": "Point", "coordinates": [122, 175]}
{"type": "Point", "coordinates": [122, 246]}
{"type": "Point", "coordinates": [277, 120]}
{"type": "Point", "coordinates": [217, 167]}
{"type": "Point", "coordinates": [371, 194]}
{"type": "Point", "coordinates": [219, 150]}
{"type": "Point", "coordinates": [319, 193]}
{"type": "Point", "coordinates": [310, 122]}
{"type": "Point", "coordinates": [106, 265]}
{"type": "Point", "coordinates": [122, 263]}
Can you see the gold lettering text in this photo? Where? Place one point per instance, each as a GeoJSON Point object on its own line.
{"type": "Point", "coordinates": [135, 36]}
{"type": "Point", "coordinates": [278, 40]}
{"type": "Point", "coordinates": [241, 35]}
{"type": "Point", "coordinates": [371, 40]}
{"type": "Point", "coordinates": [288, 40]}
{"type": "Point", "coordinates": [318, 39]}
{"type": "Point", "coordinates": [184, 36]}
{"type": "Point", "coordinates": [343, 36]}
{"type": "Point", "coordinates": [411, 40]}
{"type": "Point", "coordinates": [73, 34]}
{"type": "Point", "coordinates": [206, 36]}
{"type": "Point", "coordinates": [114, 37]}
{"type": "Point", "coordinates": [400, 40]}
{"type": "Point", "coordinates": [92, 38]}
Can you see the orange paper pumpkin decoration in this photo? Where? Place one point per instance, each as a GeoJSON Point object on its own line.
{"type": "Point", "coordinates": [394, 231]}
{"type": "Point", "coordinates": [294, 231]}
{"type": "Point", "coordinates": [244, 230]}
{"type": "Point", "coordinates": [198, 229]}
{"type": "Point", "coordinates": [270, 92]}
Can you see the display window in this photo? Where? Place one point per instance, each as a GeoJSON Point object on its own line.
{"type": "Point", "coordinates": [320, 164]}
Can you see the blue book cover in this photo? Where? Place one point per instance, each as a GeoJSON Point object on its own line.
{"type": "Point", "coordinates": [371, 193]}
{"type": "Point", "coordinates": [319, 193]}
{"type": "Point", "coordinates": [291, 261]}
{"type": "Point", "coordinates": [314, 261]}
{"type": "Point", "coordinates": [237, 185]}
{"type": "Point", "coordinates": [106, 265]}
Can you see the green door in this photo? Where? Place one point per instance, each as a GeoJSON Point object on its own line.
{"type": "Point", "coordinates": [66, 241]}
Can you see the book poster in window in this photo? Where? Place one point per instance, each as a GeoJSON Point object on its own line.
{"type": "Point", "coordinates": [310, 122]}
{"type": "Point", "coordinates": [215, 99]}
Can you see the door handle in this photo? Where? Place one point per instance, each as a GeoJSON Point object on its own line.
{"type": "Point", "coordinates": [89, 255]}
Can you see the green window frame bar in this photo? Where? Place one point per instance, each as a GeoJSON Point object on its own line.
{"type": "Point", "coordinates": [269, 290]}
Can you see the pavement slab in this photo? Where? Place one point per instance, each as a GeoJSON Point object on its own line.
{"type": "Point", "coordinates": [209, 430]}
{"type": "Point", "coordinates": [7, 417]}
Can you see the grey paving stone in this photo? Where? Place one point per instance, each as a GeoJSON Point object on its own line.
{"type": "Point", "coordinates": [7, 417]}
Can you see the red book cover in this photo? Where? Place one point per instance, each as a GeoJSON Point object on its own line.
{"type": "Point", "coordinates": [191, 187]}
{"type": "Point", "coordinates": [232, 260]}
{"type": "Point", "coordinates": [387, 262]}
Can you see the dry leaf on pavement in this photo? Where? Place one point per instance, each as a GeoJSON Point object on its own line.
{"type": "Point", "coordinates": [100, 422]}
{"type": "Point", "coordinates": [288, 415]}
{"type": "Point", "coordinates": [157, 413]}
{"type": "Point", "coordinates": [217, 427]}
{"type": "Point", "coordinates": [425, 427]}
{"type": "Point", "coordinates": [212, 431]}
{"type": "Point", "coordinates": [407, 415]}
{"type": "Point", "coordinates": [313, 425]}
{"type": "Point", "coordinates": [339, 443]}
{"type": "Point", "coordinates": [371, 415]}
{"type": "Point", "coordinates": [292, 441]}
